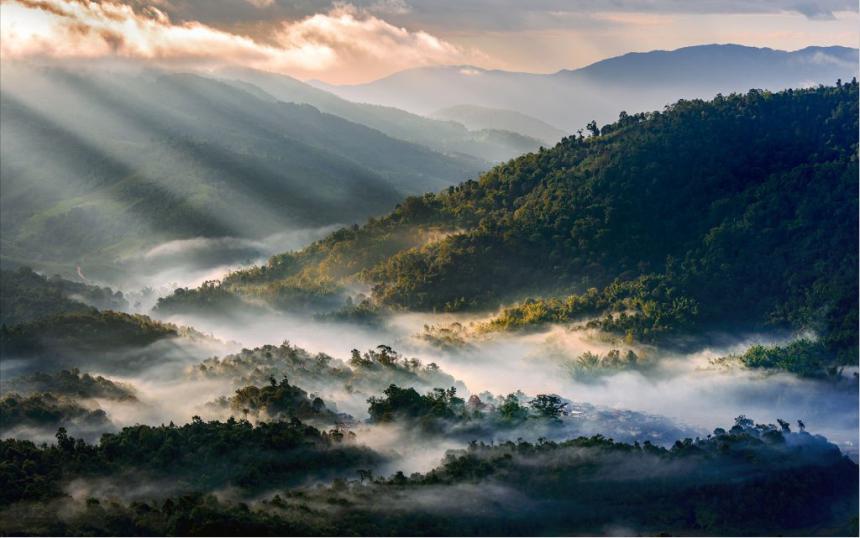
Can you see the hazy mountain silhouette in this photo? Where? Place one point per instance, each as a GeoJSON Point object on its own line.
{"type": "Point", "coordinates": [633, 82]}
{"type": "Point", "coordinates": [478, 117]}
{"type": "Point", "coordinates": [482, 144]}
{"type": "Point", "coordinates": [97, 163]}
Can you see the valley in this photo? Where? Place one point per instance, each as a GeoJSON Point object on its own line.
{"type": "Point", "coordinates": [615, 300]}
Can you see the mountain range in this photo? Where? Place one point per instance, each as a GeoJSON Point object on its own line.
{"type": "Point", "coordinates": [98, 164]}
{"type": "Point", "coordinates": [489, 143]}
{"type": "Point", "coordinates": [478, 117]}
{"type": "Point", "coordinates": [102, 163]}
{"type": "Point", "coordinates": [722, 214]}
{"type": "Point", "coordinates": [634, 82]}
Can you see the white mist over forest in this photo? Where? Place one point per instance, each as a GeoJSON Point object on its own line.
{"type": "Point", "coordinates": [686, 389]}
{"type": "Point", "coordinates": [259, 278]}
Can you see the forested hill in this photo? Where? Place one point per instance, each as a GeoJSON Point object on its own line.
{"type": "Point", "coordinates": [738, 211]}
{"type": "Point", "coordinates": [98, 165]}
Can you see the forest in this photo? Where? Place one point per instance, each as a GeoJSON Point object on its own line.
{"type": "Point", "coordinates": [235, 303]}
{"type": "Point", "coordinates": [764, 202]}
{"type": "Point", "coordinates": [429, 268]}
{"type": "Point", "coordinates": [742, 480]}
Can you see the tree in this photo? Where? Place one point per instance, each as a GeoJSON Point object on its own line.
{"type": "Point", "coordinates": [355, 358]}
{"type": "Point", "coordinates": [512, 410]}
{"type": "Point", "coordinates": [365, 474]}
{"type": "Point", "coordinates": [742, 423]}
{"type": "Point", "coordinates": [548, 406]}
{"type": "Point", "coordinates": [65, 442]}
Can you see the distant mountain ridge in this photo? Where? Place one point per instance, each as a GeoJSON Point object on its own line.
{"type": "Point", "coordinates": [478, 117]}
{"type": "Point", "coordinates": [720, 64]}
{"type": "Point", "coordinates": [633, 82]}
{"type": "Point", "coordinates": [482, 144]}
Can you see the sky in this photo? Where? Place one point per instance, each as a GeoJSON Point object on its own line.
{"type": "Point", "coordinates": [362, 40]}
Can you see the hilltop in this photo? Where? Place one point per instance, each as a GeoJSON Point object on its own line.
{"type": "Point", "coordinates": [735, 212]}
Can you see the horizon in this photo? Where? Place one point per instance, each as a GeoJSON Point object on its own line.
{"type": "Point", "coordinates": [358, 42]}
{"type": "Point", "coordinates": [429, 267]}
{"type": "Point", "coordinates": [321, 84]}
{"type": "Point", "coordinates": [314, 81]}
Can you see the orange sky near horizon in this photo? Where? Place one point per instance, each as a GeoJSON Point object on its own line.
{"type": "Point", "coordinates": [347, 44]}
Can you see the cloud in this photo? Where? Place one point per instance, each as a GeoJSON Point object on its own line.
{"type": "Point", "coordinates": [354, 36]}
{"type": "Point", "coordinates": [815, 11]}
{"type": "Point", "coordinates": [515, 15]}
{"type": "Point", "coordinates": [493, 11]}
{"type": "Point", "coordinates": [84, 30]}
{"type": "Point", "coordinates": [364, 40]}
{"type": "Point", "coordinates": [395, 7]}
{"type": "Point", "coordinates": [634, 19]}
{"type": "Point", "coordinates": [343, 40]}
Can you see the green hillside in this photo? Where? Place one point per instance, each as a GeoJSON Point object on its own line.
{"type": "Point", "coordinates": [737, 212]}
{"type": "Point", "coordinates": [27, 296]}
{"type": "Point", "coordinates": [54, 323]}
{"type": "Point", "coordinates": [97, 165]}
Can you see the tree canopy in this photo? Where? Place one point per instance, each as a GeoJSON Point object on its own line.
{"type": "Point", "coordinates": [735, 212]}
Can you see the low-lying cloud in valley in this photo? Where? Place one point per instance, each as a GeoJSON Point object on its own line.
{"type": "Point", "coordinates": [411, 294]}
{"type": "Point", "coordinates": [684, 387]}
{"type": "Point", "coordinates": [187, 263]}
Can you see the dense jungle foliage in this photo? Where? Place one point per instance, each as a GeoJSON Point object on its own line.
{"type": "Point", "coordinates": [88, 331]}
{"type": "Point", "coordinates": [208, 297]}
{"type": "Point", "coordinates": [753, 479]}
{"type": "Point", "coordinates": [735, 212]}
{"type": "Point", "coordinates": [199, 456]}
{"type": "Point", "coordinates": [47, 318]}
{"type": "Point", "coordinates": [48, 410]}
{"type": "Point", "coordinates": [805, 358]}
{"type": "Point", "coordinates": [441, 408]}
{"type": "Point", "coordinates": [368, 372]}
{"type": "Point", "coordinates": [27, 296]}
{"type": "Point", "coordinates": [277, 400]}
{"type": "Point", "coordinates": [70, 383]}
{"type": "Point", "coordinates": [440, 413]}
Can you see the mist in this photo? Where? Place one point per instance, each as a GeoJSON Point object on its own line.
{"type": "Point", "coordinates": [187, 263]}
{"type": "Point", "coordinates": [682, 394]}
{"type": "Point", "coordinates": [665, 396]}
